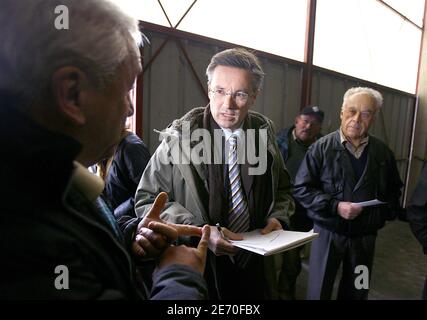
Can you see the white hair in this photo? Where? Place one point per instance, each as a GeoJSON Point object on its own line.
{"type": "Point", "coordinates": [376, 95]}
{"type": "Point", "coordinates": [99, 38]}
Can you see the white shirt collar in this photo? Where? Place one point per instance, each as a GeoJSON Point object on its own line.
{"type": "Point", "coordinates": [228, 132]}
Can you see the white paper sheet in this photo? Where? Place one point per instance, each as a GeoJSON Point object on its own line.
{"type": "Point", "coordinates": [370, 203]}
{"type": "Point", "coordinates": [273, 242]}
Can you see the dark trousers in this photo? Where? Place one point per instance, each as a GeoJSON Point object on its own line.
{"type": "Point", "coordinates": [425, 290]}
{"type": "Point", "coordinates": [235, 283]}
{"type": "Point", "coordinates": [328, 252]}
{"type": "Point", "coordinates": [291, 268]}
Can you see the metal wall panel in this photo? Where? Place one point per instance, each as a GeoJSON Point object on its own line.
{"type": "Point", "coordinates": [171, 89]}
{"type": "Point", "coordinates": [393, 124]}
{"type": "Point", "coordinates": [169, 86]}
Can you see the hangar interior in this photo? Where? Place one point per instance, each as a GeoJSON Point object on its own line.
{"type": "Point", "coordinates": [174, 81]}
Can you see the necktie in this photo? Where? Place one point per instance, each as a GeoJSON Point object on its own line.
{"type": "Point", "coordinates": [238, 218]}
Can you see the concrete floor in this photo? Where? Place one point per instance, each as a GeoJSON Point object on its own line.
{"type": "Point", "coordinates": [400, 266]}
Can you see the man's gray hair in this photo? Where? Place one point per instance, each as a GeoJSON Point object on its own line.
{"type": "Point", "coordinates": [238, 58]}
{"type": "Point", "coordinates": [376, 95]}
{"type": "Point", "coordinates": [99, 38]}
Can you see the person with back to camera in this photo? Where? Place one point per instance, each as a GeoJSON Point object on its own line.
{"type": "Point", "coordinates": [64, 98]}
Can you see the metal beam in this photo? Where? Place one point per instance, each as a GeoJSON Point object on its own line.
{"type": "Point", "coordinates": [400, 14]}
{"type": "Point", "coordinates": [307, 75]}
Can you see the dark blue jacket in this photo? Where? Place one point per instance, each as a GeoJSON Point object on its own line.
{"type": "Point", "coordinates": [326, 177]}
{"type": "Point", "coordinates": [299, 220]}
{"type": "Point", "coordinates": [283, 141]}
{"type": "Point", "coordinates": [129, 162]}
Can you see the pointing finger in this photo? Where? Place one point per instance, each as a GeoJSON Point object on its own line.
{"type": "Point", "coordinates": [168, 231]}
{"type": "Point", "coordinates": [187, 230]}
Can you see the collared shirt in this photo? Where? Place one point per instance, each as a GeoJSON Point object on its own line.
{"type": "Point", "coordinates": [355, 151]}
{"type": "Point", "coordinates": [228, 132]}
{"type": "Point", "coordinates": [300, 142]}
{"type": "Point", "coordinates": [293, 135]}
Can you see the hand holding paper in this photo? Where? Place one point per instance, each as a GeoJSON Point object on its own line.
{"type": "Point", "coordinates": [273, 242]}
{"type": "Point", "coordinates": [370, 203]}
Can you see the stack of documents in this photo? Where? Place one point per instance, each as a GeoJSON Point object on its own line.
{"type": "Point", "coordinates": [273, 242]}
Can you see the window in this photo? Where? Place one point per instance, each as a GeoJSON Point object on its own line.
{"type": "Point", "coordinates": [272, 26]}
{"type": "Point", "coordinates": [361, 38]}
{"type": "Point", "coordinates": [365, 39]}
{"type": "Point", "coordinates": [412, 9]}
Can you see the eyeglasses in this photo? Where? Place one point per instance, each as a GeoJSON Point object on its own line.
{"type": "Point", "coordinates": [239, 97]}
{"type": "Point", "coordinates": [363, 114]}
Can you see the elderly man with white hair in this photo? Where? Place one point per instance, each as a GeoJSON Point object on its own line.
{"type": "Point", "coordinates": [341, 169]}
{"type": "Point", "coordinates": [64, 96]}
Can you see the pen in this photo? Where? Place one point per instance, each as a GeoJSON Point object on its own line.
{"type": "Point", "coordinates": [221, 232]}
{"type": "Point", "coordinates": [224, 237]}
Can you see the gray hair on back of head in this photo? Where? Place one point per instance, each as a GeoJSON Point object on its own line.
{"type": "Point", "coordinates": [238, 58]}
{"type": "Point", "coordinates": [99, 38]}
{"type": "Point", "coordinates": [376, 95]}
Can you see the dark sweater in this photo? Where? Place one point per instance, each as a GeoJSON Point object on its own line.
{"type": "Point", "coordinates": [358, 164]}
{"type": "Point", "coordinates": [297, 152]}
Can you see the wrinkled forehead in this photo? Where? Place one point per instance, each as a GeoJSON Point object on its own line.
{"type": "Point", "coordinates": [360, 100]}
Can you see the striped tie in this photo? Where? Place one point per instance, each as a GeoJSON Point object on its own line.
{"type": "Point", "coordinates": [238, 219]}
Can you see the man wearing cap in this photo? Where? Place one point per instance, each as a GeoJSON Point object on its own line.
{"type": "Point", "coordinates": [339, 171]}
{"type": "Point", "coordinates": [293, 144]}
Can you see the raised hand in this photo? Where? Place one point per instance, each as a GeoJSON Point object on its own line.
{"type": "Point", "coordinates": [155, 235]}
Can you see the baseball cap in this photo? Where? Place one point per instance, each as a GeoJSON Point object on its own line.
{"type": "Point", "coordinates": [313, 110]}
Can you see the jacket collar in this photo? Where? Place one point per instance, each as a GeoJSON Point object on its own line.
{"type": "Point", "coordinates": [86, 182]}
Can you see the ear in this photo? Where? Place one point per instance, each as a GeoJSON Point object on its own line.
{"type": "Point", "coordinates": [255, 95]}
{"type": "Point", "coordinates": [296, 119]}
{"type": "Point", "coordinates": [67, 84]}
